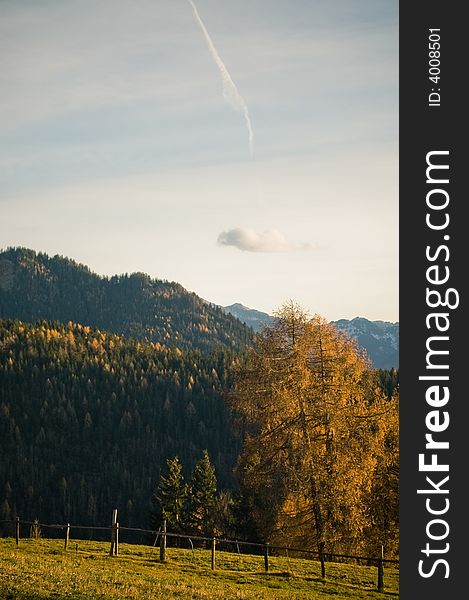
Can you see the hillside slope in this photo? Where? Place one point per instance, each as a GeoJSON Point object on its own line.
{"type": "Point", "coordinates": [35, 286]}
{"type": "Point", "coordinates": [88, 419]}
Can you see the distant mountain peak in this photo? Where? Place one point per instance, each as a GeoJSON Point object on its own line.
{"type": "Point", "coordinates": [250, 316]}
{"type": "Point", "coordinates": [239, 305]}
{"type": "Point", "coordinates": [380, 339]}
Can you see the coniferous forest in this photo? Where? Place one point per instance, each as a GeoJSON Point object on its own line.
{"type": "Point", "coordinates": [133, 393]}
{"type": "Point", "coordinates": [87, 420]}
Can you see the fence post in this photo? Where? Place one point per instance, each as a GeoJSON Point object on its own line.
{"type": "Point", "coordinates": [321, 558]}
{"type": "Point", "coordinates": [381, 570]}
{"type": "Point", "coordinates": [67, 535]}
{"type": "Point", "coordinates": [116, 546]}
{"type": "Point", "coordinates": [112, 551]}
{"type": "Point", "coordinates": [214, 542]}
{"type": "Point", "coordinates": [266, 557]}
{"type": "Point", "coordinates": [17, 531]}
{"type": "Point", "coordinates": [163, 543]}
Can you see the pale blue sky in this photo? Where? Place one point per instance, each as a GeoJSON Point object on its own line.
{"type": "Point", "coordinates": [118, 149]}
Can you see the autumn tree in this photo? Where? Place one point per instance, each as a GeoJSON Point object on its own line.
{"type": "Point", "coordinates": [382, 501]}
{"type": "Point", "coordinates": [307, 399]}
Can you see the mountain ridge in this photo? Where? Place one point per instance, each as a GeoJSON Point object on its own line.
{"type": "Point", "coordinates": [35, 286]}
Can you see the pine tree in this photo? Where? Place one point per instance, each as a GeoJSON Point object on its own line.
{"type": "Point", "coordinates": [170, 497]}
{"type": "Point", "coordinates": [203, 487]}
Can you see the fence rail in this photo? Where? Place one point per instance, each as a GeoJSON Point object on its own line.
{"type": "Point", "coordinates": [162, 535]}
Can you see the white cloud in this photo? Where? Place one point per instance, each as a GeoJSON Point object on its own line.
{"type": "Point", "coordinates": [247, 240]}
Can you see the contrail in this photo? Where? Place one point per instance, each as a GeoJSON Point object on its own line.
{"type": "Point", "coordinates": [230, 91]}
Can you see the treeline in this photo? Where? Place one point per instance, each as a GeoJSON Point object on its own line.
{"type": "Point", "coordinates": [301, 434]}
{"type": "Point", "coordinates": [88, 419]}
{"type": "Point", "coordinates": [35, 286]}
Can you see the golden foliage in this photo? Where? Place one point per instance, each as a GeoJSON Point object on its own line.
{"type": "Point", "coordinates": [314, 421]}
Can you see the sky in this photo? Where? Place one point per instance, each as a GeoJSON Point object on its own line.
{"type": "Point", "coordinates": [246, 149]}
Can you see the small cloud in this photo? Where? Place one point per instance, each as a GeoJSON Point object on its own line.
{"type": "Point", "coordinates": [247, 240]}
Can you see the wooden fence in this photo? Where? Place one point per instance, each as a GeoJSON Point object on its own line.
{"type": "Point", "coordinates": [162, 535]}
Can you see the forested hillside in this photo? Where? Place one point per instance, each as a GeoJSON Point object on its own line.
{"type": "Point", "coordinates": [35, 286]}
{"type": "Point", "coordinates": [111, 388]}
{"type": "Point", "coordinates": [88, 419]}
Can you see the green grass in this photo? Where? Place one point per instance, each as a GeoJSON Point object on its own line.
{"type": "Point", "coordinates": [42, 569]}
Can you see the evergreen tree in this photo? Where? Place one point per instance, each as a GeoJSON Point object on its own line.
{"type": "Point", "coordinates": [203, 488]}
{"type": "Point", "coordinates": [225, 516]}
{"type": "Point", "coordinates": [170, 497]}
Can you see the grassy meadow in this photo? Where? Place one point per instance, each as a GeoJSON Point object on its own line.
{"type": "Point", "coordinates": [42, 569]}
